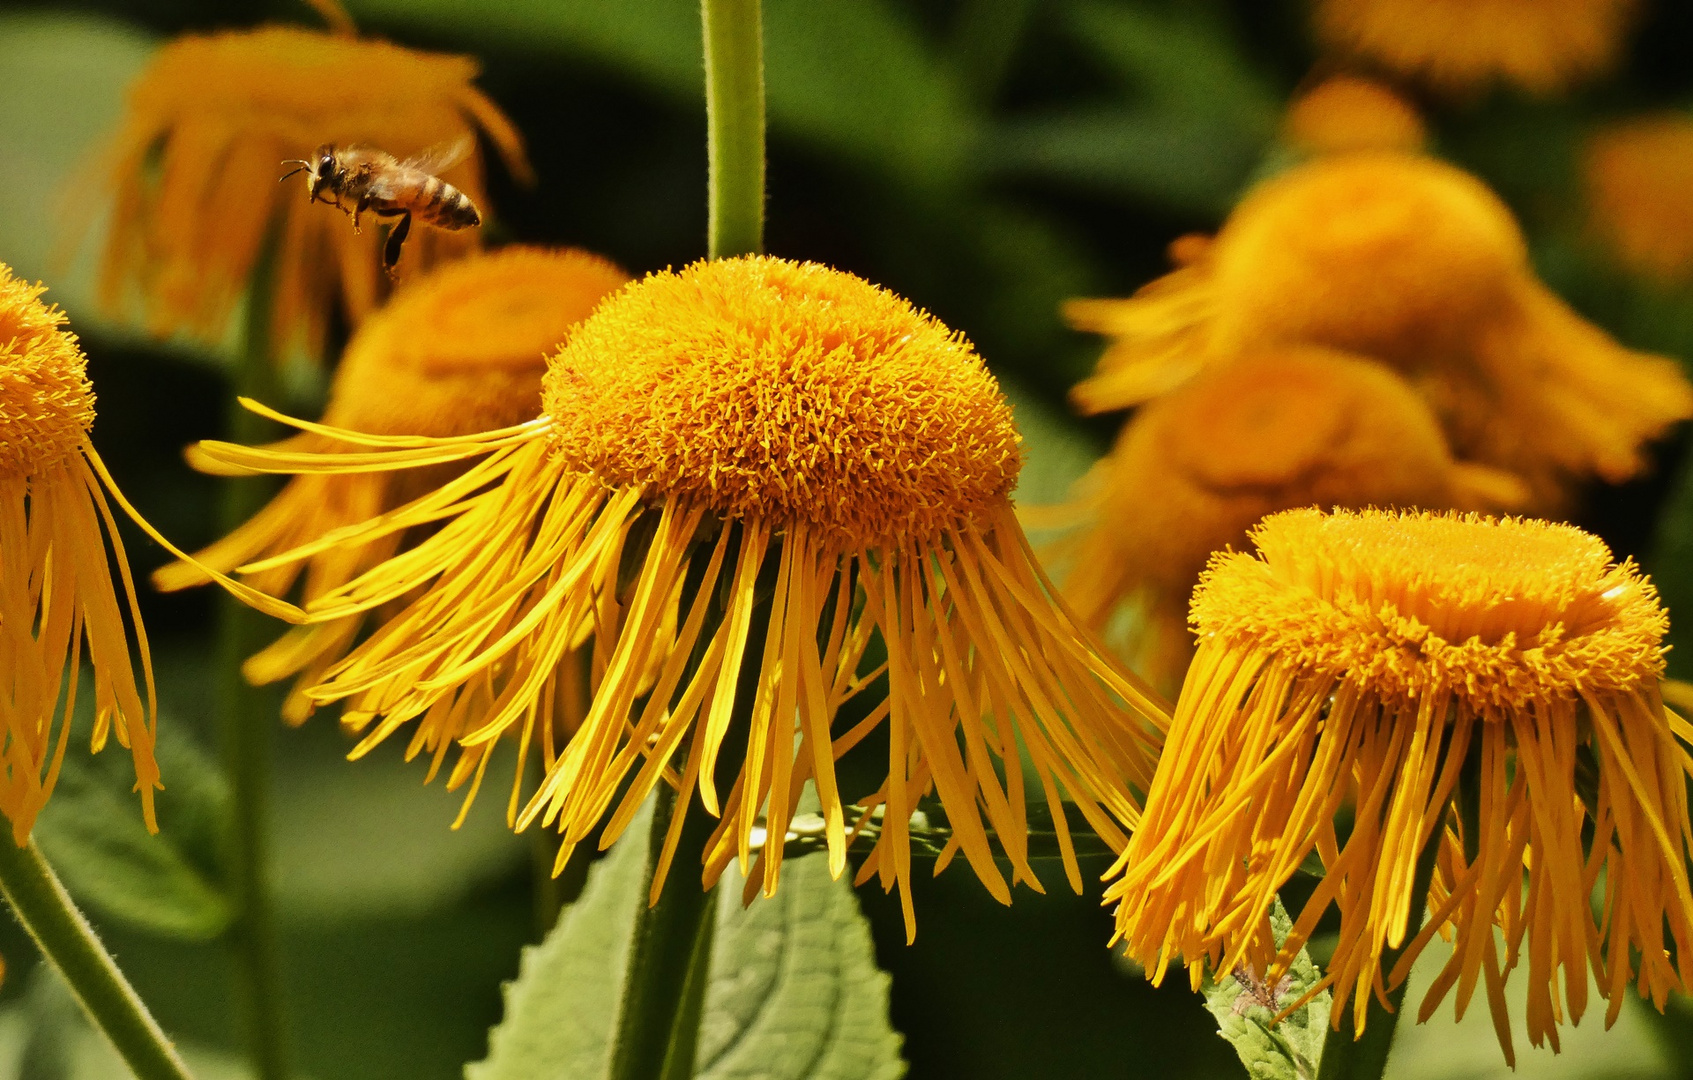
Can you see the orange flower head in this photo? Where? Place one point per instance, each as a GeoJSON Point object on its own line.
{"type": "Point", "coordinates": [749, 451]}
{"type": "Point", "coordinates": [1407, 260]}
{"type": "Point", "coordinates": [1461, 47]}
{"type": "Point", "coordinates": [56, 592]}
{"type": "Point", "coordinates": [1287, 427]}
{"type": "Point", "coordinates": [1407, 696]}
{"type": "Point", "coordinates": [790, 394]}
{"type": "Point", "coordinates": [459, 350]}
{"type": "Point", "coordinates": [1639, 180]}
{"type": "Point", "coordinates": [193, 172]}
{"type": "Point", "coordinates": [1348, 112]}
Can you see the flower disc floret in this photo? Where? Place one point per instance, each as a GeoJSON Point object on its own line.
{"type": "Point", "coordinates": [46, 400]}
{"type": "Point", "coordinates": [1500, 613]}
{"type": "Point", "coordinates": [788, 392]}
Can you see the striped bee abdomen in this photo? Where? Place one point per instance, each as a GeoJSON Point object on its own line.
{"type": "Point", "coordinates": [445, 206]}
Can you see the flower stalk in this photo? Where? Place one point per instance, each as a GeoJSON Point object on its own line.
{"type": "Point", "coordinates": [669, 958]}
{"type": "Point", "coordinates": [248, 715]}
{"type": "Point", "coordinates": [658, 1023]}
{"type": "Point", "coordinates": [1349, 1055]}
{"type": "Point", "coordinates": [69, 944]}
{"type": "Point", "coordinates": [734, 108]}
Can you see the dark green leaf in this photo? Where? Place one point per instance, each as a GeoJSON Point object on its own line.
{"type": "Point", "coordinates": [93, 834]}
{"type": "Point", "coordinates": [1195, 165]}
{"type": "Point", "coordinates": [1181, 60]}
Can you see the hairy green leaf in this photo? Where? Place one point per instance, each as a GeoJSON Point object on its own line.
{"type": "Point", "coordinates": [1245, 1004]}
{"type": "Point", "coordinates": [794, 992]}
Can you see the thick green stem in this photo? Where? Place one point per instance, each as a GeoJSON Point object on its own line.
{"type": "Point", "coordinates": [248, 719]}
{"type": "Point", "coordinates": [734, 109]}
{"type": "Point", "coordinates": [658, 1023]}
{"type": "Point", "coordinates": [68, 942]}
{"type": "Point", "coordinates": [1365, 1058]}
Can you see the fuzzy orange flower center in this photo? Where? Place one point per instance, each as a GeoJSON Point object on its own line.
{"type": "Point", "coordinates": [46, 401]}
{"type": "Point", "coordinates": [790, 393]}
{"type": "Point", "coordinates": [1502, 613]}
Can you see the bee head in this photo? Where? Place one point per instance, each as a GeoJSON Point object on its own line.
{"type": "Point", "coordinates": [322, 169]}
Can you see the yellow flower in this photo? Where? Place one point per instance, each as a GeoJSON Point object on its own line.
{"type": "Point", "coordinates": [461, 350]}
{"type": "Point", "coordinates": [57, 597]}
{"type": "Point", "coordinates": [56, 590]}
{"type": "Point", "coordinates": [1347, 112]}
{"type": "Point", "coordinates": [1464, 46]}
{"type": "Point", "coordinates": [1193, 471]}
{"type": "Point", "coordinates": [192, 174]}
{"type": "Point", "coordinates": [1639, 180]}
{"type": "Point", "coordinates": [1412, 262]}
{"type": "Point", "coordinates": [744, 471]}
{"type": "Point", "coordinates": [1375, 683]}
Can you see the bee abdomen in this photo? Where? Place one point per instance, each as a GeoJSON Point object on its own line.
{"type": "Point", "coordinates": [446, 207]}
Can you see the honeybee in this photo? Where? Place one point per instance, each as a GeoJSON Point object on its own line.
{"type": "Point", "coordinates": [369, 179]}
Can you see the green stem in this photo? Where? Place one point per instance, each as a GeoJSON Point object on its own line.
{"type": "Point", "coordinates": [1365, 1057]}
{"type": "Point", "coordinates": [658, 1022]}
{"type": "Point", "coordinates": [68, 942]}
{"type": "Point", "coordinates": [248, 718]}
{"type": "Point", "coordinates": [734, 109]}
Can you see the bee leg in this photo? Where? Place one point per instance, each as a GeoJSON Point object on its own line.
{"type": "Point", "coordinates": [358, 208]}
{"type": "Point", "coordinates": [396, 237]}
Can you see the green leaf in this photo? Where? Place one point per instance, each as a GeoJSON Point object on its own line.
{"type": "Point", "coordinates": [1193, 123]}
{"type": "Point", "coordinates": [794, 991]}
{"type": "Point", "coordinates": [93, 834]}
{"type": "Point", "coordinates": [1181, 60]}
{"type": "Point", "coordinates": [1194, 165]}
{"type": "Point", "coordinates": [1446, 1048]}
{"type": "Point", "coordinates": [1244, 1005]}
{"type": "Point", "coordinates": [560, 1011]}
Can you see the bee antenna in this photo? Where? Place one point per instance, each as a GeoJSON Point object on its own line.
{"type": "Point", "coordinates": [303, 166]}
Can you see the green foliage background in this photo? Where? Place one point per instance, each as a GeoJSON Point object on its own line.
{"type": "Point", "coordinates": [987, 158]}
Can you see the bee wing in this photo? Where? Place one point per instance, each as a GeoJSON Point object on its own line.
{"type": "Point", "coordinates": [442, 156]}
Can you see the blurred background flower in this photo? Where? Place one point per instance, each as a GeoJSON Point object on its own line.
{"type": "Point", "coordinates": [1286, 427]}
{"type": "Point", "coordinates": [1465, 46]}
{"type": "Point", "coordinates": [208, 125]}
